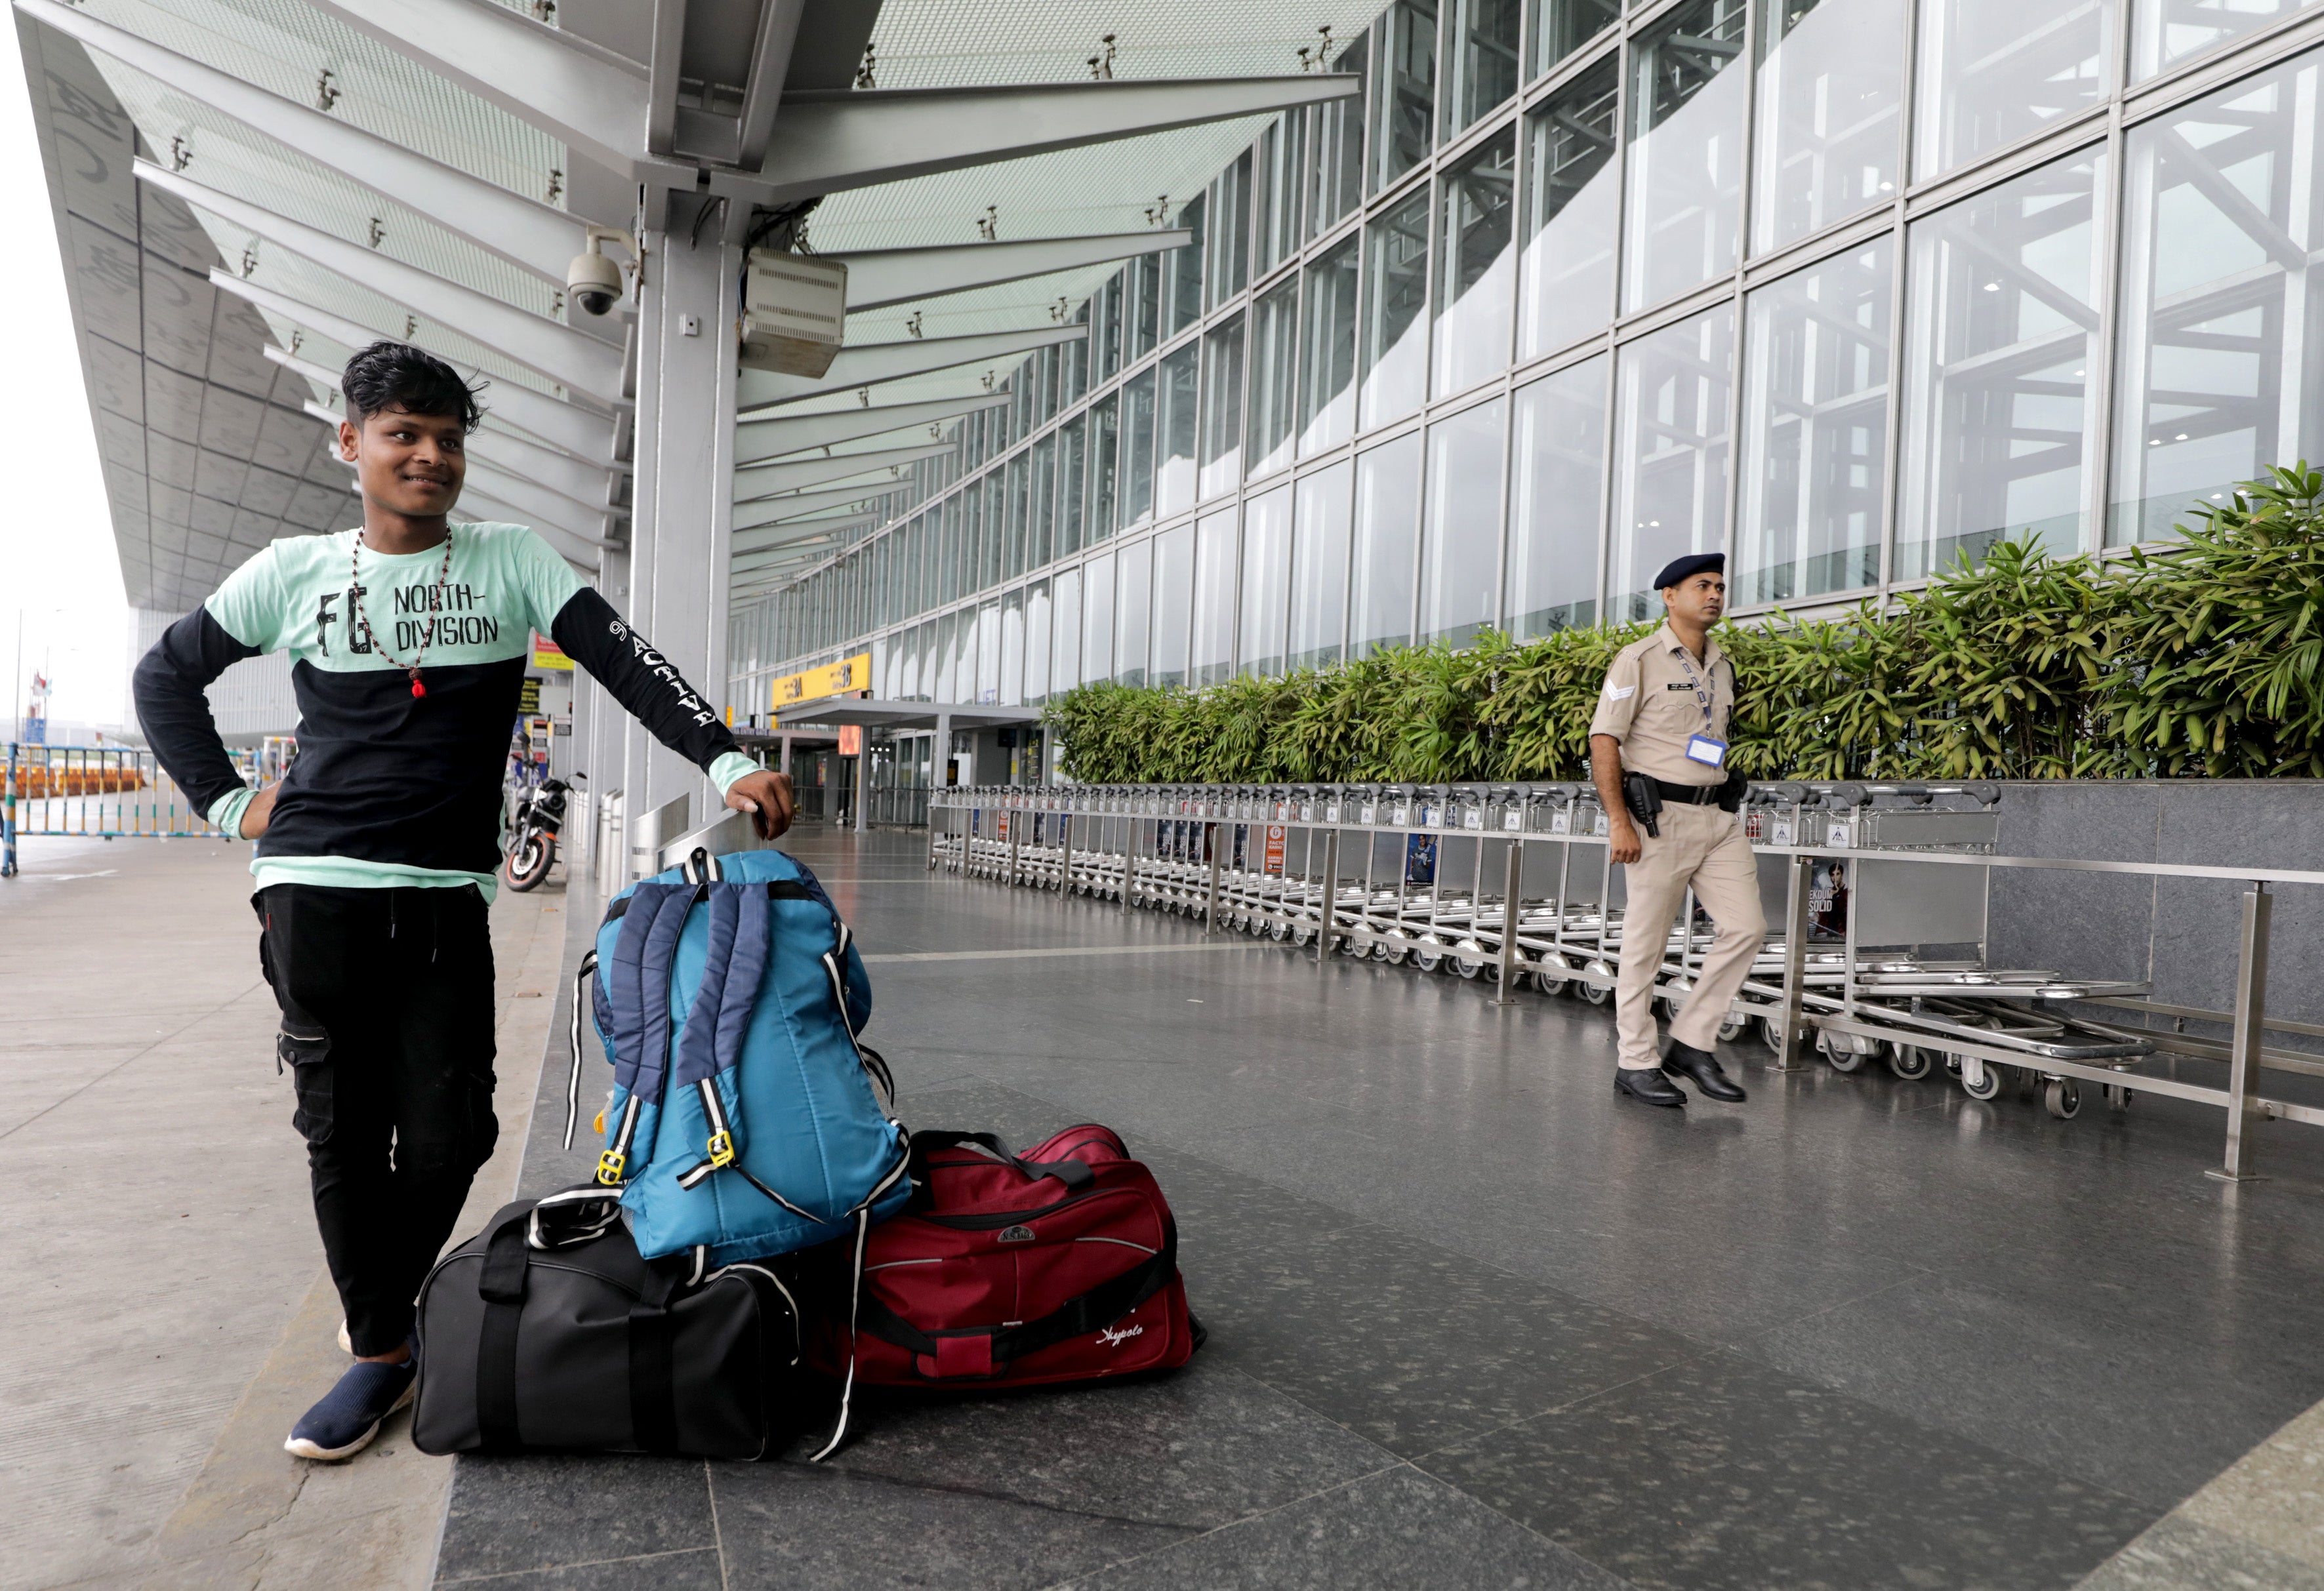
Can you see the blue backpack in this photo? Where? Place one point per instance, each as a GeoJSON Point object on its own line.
{"type": "Point", "coordinates": [746, 1119]}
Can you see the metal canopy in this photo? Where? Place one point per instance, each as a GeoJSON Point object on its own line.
{"type": "Point", "coordinates": [904, 715]}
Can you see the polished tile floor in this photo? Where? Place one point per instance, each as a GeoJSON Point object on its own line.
{"type": "Point", "coordinates": [1476, 1322]}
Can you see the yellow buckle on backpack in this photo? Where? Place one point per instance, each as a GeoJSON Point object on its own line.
{"type": "Point", "coordinates": [721, 1149]}
{"type": "Point", "coordinates": [609, 1167]}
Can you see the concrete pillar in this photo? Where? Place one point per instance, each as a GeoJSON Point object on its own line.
{"type": "Point", "coordinates": [683, 520]}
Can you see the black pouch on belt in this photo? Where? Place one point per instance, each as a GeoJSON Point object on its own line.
{"type": "Point", "coordinates": [1731, 793]}
{"type": "Point", "coordinates": [1644, 800]}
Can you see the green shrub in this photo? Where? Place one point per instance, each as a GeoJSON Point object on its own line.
{"type": "Point", "coordinates": [2206, 657]}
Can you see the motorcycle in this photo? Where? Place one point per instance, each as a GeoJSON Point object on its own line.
{"type": "Point", "coordinates": [533, 833]}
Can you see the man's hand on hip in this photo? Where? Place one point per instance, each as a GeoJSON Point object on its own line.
{"type": "Point", "coordinates": [766, 795]}
{"type": "Point", "coordinates": [259, 812]}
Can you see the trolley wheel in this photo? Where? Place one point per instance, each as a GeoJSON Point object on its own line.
{"type": "Point", "coordinates": [1840, 1051]}
{"type": "Point", "coordinates": [2117, 1097]}
{"type": "Point", "coordinates": [1349, 947]}
{"type": "Point", "coordinates": [1302, 934]}
{"type": "Point", "coordinates": [1428, 955]}
{"type": "Point", "coordinates": [1910, 1062]}
{"type": "Point", "coordinates": [1771, 1033]}
{"type": "Point", "coordinates": [2063, 1097]}
{"type": "Point", "coordinates": [1474, 966]}
{"type": "Point", "coordinates": [1597, 994]}
{"type": "Point", "coordinates": [1992, 1085]}
{"type": "Point", "coordinates": [1278, 930]}
{"type": "Point", "coordinates": [1732, 1028]}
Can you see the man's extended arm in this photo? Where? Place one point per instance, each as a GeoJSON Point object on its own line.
{"type": "Point", "coordinates": [649, 687]}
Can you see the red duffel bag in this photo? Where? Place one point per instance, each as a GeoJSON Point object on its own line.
{"type": "Point", "coordinates": [1058, 1265]}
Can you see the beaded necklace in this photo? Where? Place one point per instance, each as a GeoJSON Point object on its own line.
{"type": "Point", "coordinates": [354, 605]}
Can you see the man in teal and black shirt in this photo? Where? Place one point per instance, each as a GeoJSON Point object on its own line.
{"type": "Point", "coordinates": [376, 857]}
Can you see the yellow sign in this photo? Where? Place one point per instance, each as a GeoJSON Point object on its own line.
{"type": "Point", "coordinates": [833, 679]}
{"type": "Point", "coordinates": [548, 654]}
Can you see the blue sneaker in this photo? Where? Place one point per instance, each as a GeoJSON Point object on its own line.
{"type": "Point", "coordinates": [344, 1424]}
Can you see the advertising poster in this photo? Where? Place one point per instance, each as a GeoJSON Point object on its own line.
{"type": "Point", "coordinates": [1420, 858]}
{"type": "Point", "coordinates": [1274, 851]}
{"type": "Point", "coordinates": [1828, 901]}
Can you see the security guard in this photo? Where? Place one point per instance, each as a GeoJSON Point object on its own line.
{"type": "Point", "coordinates": [1659, 755]}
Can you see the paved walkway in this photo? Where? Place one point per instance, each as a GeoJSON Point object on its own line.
{"type": "Point", "coordinates": [1476, 1322]}
{"type": "Point", "coordinates": [164, 1312]}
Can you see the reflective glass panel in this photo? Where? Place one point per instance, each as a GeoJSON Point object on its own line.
{"type": "Point", "coordinates": [2221, 372]}
{"type": "Point", "coordinates": [1226, 268]}
{"type": "Point", "coordinates": [1072, 482]}
{"type": "Point", "coordinates": [1387, 536]}
{"type": "Point", "coordinates": [1133, 590]}
{"type": "Point", "coordinates": [1212, 657]}
{"type": "Point", "coordinates": [1994, 71]}
{"type": "Point", "coordinates": [965, 636]}
{"type": "Point", "coordinates": [1482, 69]}
{"type": "Point", "coordinates": [1815, 409]}
{"type": "Point", "coordinates": [1670, 454]}
{"type": "Point", "coordinates": [1105, 465]}
{"type": "Point", "coordinates": [2000, 329]}
{"type": "Point", "coordinates": [1174, 587]}
{"type": "Point", "coordinates": [1013, 649]}
{"type": "Point", "coordinates": [1066, 631]}
{"type": "Point", "coordinates": [1831, 114]}
{"type": "Point", "coordinates": [1274, 377]}
{"type": "Point", "coordinates": [1106, 326]}
{"type": "Point", "coordinates": [1460, 532]}
{"type": "Point", "coordinates": [1319, 567]}
{"type": "Point", "coordinates": [1037, 643]}
{"type": "Point", "coordinates": [1041, 503]}
{"type": "Point", "coordinates": [1404, 90]}
{"type": "Point", "coordinates": [1138, 448]}
{"type": "Point", "coordinates": [947, 687]}
{"type": "Point", "coordinates": [1327, 352]}
{"type": "Point", "coordinates": [1476, 281]}
{"type": "Point", "coordinates": [1097, 618]}
{"type": "Point", "coordinates": [932, 638]}
{"type": "Point", "coordinates": [1018, 516]}
{"type": "Point", "coordinates": [988, 652]}
{"type": "Point", "coordinates": [1395, 331]}
{"type": "Point", "coordinates": [1685, 154]}
{"type": "Point", "coordinates": [1174, 473]}
{"type": "Point", "coordinates": [2168, 31]}
{"type": "Point", "coordinates": [1335, 161]}
{"type": "Point", "coordinates": [1182, 303]}
{"type": "Point", "coordinates": [1561, 27]}
{"type": "Point", "coordinates": [1142, 279]}
{"type": "Point", "coordinates": [1222, 409]}
{"type": "Point", "coordinates": [1276, 178]}
{"type": "Point", "coordinates": [1073, 362]}
{"type": "Point", "coordinates": [1266, 581]}
{"type": "Point", "coordinates": [972, 541]}
{"type": "Point", "coordinates": [1574, 196]}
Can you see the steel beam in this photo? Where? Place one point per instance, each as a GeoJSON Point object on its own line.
{"type": "Point", "coordinates": [777, 438]}
{"type": "Point", "coordinates": [834, 139]}
{"type": "Point", "coordinates": [775, 511]}
{"type": "Point", "coordinates": [768, 538]}
{"type": "Point", "coordinates": [770, 66]}
{"type": "Point", "coordinates": [568, 545]}
{"type": "Point", "coordinates": [538, 500]}
{"type": "Point", "coordinates": [763, 480]}
{"type": "Point", "coordinates": [586, 434]}
{"type": "Point", "coordinates": [534, 341]}
{"type": "Point", "coordinates": [878, 278]}
{"type": "Point", "coordinates": [871, 363]}
{"type": "Point", "coordinates": [520, 231]}
{"type": "Point", "coordinates": [571, 89]}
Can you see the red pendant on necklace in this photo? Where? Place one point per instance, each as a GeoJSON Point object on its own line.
{"type": "Point", "coordinates": [416, 688]}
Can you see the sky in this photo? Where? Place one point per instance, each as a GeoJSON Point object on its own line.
{"type": "Point", "coordinates": [60, 576]}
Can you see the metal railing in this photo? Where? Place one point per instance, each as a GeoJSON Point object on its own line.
{"type": "Point", "coordinates": [1279, 861]}
{"type": "Point", "coordinates": [95, 792]}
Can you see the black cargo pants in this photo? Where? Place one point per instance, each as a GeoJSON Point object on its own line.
{"type": "Point", "coordinates": [387, 1032]}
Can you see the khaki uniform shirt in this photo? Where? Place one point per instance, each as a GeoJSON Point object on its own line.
{"type": "Point", "coordinates": [1650, 707]}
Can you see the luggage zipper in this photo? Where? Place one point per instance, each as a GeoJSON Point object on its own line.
{"type": "Point", "coordinates": [1011, 1218]}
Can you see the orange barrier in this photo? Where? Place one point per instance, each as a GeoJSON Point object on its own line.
{"type": "Point", "coordinates": [39, 784]}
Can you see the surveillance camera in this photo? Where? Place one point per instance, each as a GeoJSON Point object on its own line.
{"type": "Point", "coordinates": [594, 280]}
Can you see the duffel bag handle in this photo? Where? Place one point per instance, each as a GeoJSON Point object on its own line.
{"type": "Point", "coordinates": [1073, 1174]}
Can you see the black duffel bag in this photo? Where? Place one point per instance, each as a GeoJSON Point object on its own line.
{"type": "Point", "coordinates": [546, 1331]}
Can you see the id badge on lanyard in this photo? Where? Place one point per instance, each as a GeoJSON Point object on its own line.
{"type": "Point", "coordinates": [1706, 748]}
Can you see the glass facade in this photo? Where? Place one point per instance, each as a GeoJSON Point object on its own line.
{"type": "Point", "coordinates": [1848, 289]}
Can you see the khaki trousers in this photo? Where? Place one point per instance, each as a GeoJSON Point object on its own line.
{"type": "Point", "coordinates": [1704, 847]}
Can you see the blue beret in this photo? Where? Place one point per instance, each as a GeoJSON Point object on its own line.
{"type": "Point", "coordinates": [1678, 570]}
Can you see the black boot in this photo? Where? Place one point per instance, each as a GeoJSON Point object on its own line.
{"type": "Point", "coordinates": [1701, 1068]}
{"type": "Point", "coordinates": [1648, 1086]}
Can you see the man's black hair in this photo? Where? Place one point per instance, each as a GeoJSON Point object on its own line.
{"type": "Point", "coordinates": [397, 375]}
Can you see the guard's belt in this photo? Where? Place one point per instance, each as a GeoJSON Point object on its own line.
{"type": "Point", "coordinates": [1692, 795]}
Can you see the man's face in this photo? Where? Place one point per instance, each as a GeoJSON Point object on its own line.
{"type": "Point", "coordinates": [1699, 598]}
{"type": "Point", "coordinates": [407, 464]}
